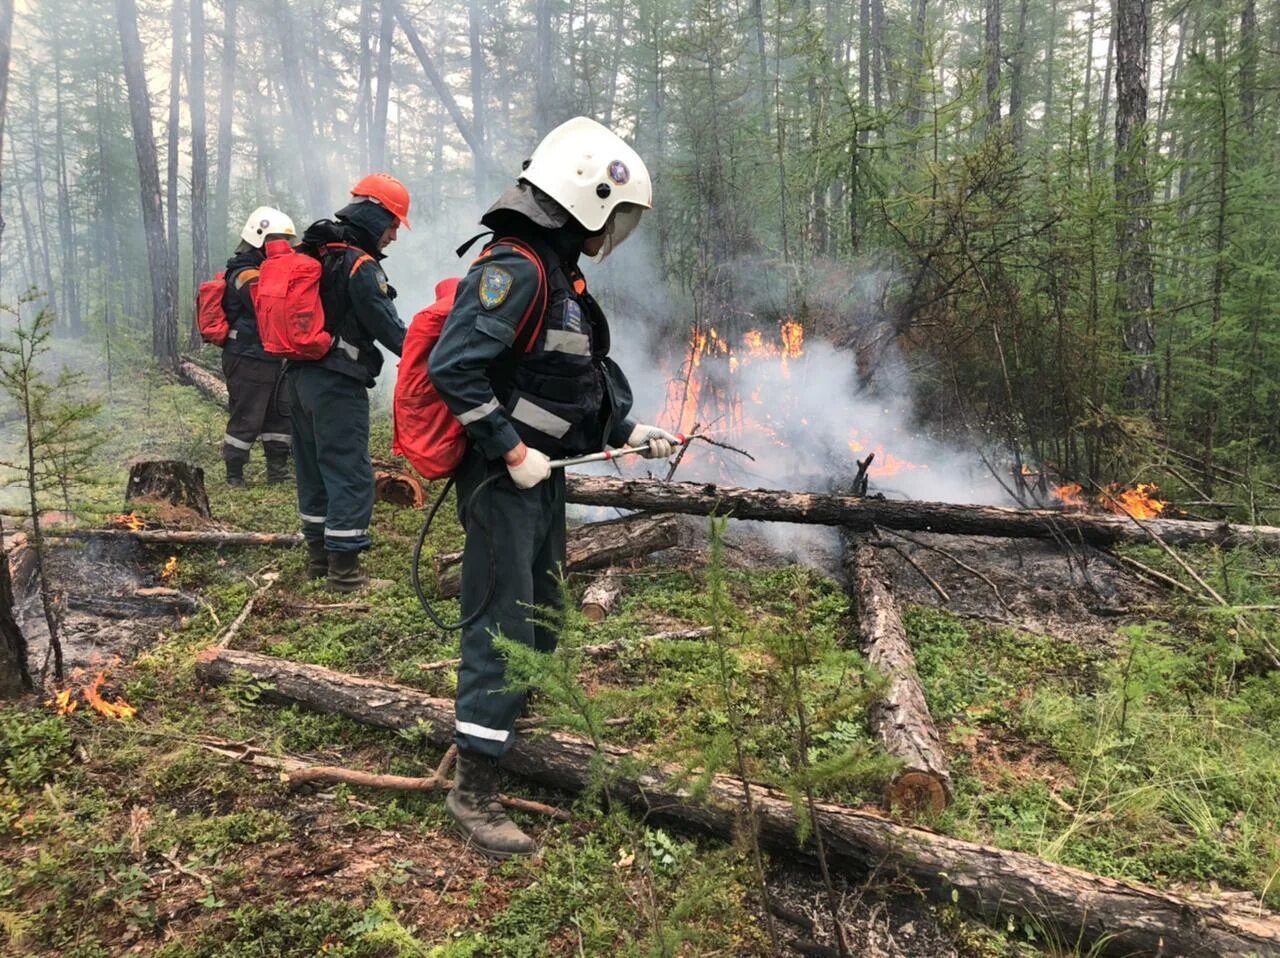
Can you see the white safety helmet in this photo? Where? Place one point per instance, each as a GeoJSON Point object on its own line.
{"type": "Point", "coordinates": [588, 169]}
{"type": "Point", "coordinates": [263, 222]}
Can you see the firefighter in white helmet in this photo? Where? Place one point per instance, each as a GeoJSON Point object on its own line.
{"type": "Point", "coordinates": [522, 362]}
{"type": "Point", "coordinates": [259, 410]}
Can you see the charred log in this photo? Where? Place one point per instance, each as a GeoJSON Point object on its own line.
{"type": "Point", "coordinates": [169, 480]}
{"type": "Point", "coordinates": [1122, 917]}
{"type": "Point", "coordinates": [398, 487]}
{"type": "Point", "coordinates": [901, 719]}
{"type": "Point", "coordinates": [214, 389]}
{"type": "Point", "coordinates": [596, 545]}
{"type": "Point", "coordinates": [863, 515]}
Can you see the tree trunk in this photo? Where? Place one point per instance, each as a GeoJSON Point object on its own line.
{"type": "Point", "coordinates": [1049, 63]}
{"type": "Point", "coordinates": [199, 155]}
{"type": "Point", "coordinates": [919, 26]}
{"type": "Point", "coordinates": [1135, 284]}
{"type": "Point", "coordinates": [213, 388]}
{"type": "Point", "coordinates": [1121, 917]}
{"type": "Point", "coordinates": [1248, 65]}
{"type": "Point", "coordinates": [595, 545]}
{"type": "Point", "coordinates": [169, 480]}
{"type": "Point", "coordinates": [991, 54]}
{"type": "Point", "coordinates": [173, 158]}
{"type": "Point", "coordinates": [475, 20]}
{"type": "Point", "coordinates": [543, 78]}
{"type": "Point", "coordinates": [863, 515]}
{"type": "Point", "coordinates": [66, 227]}
{"type": "Point", "coordinates": [378, 134]}
{"type": "Point", "coordinates": [226, 113]}
{"type": "Point", "coordinates": [300, 105]}
{"type": "Point", "coordinates": [164, 325]}
{"type": "Point", "coordinates": [1104, 115]}
{"type": "Point", "coordinates": [6, 52]}
{"type": "Point", "coordinates": [42, 215]}
{"type": "Point", "coordinates": [1017, 77]}
{"type": "Point", "coordinates": [901, 719]}
{"type": "Point", "coordinates": [364, 85]}
{"type": "Point", "coordinates": [15, 677]}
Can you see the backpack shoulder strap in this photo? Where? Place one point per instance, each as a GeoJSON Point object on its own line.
{"type": "Point", "coordinates": [361, 258]}
{"type": "Point", "coordinates": [531, 322]}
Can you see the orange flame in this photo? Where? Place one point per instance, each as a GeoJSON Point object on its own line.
{"type": "Point", "coordinates": [1071, 495]}
{"type": "Point", "coordinates": [170, 569]}
{"type": "Point", "coordinates": [119, 709]}
{"type": "Point", "coordinates": [792, 339]}
{"type": "Point", "coordinates": [1139, 502]}
{"type": "Point", "coordinates": [129, 520]}
{"type": "Point", "coordinates": [63, 703]}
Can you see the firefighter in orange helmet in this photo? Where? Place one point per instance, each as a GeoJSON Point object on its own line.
{"type": "Point", "coordinates": [329, 396]}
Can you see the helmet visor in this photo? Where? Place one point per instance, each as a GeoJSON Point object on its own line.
{"type": "Point", "coordinates": [622, 223]}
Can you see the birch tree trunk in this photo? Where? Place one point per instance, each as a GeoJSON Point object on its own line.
{"type": "Point", "coordinates": [164, 325]}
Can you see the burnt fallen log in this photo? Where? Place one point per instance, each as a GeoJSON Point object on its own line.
{"type": "Point", "coordinates": [595, 545]}
{"type": "Point", "coordinates": [863, 515]}
{"type": "Point", "coordinates": [901, 719]}
{"type": "Point", "coordinates": [214, 389]}
{"type": "Point", "coordinates": [1121, 917]}
{"type": "Point", "coordinates": [185, 537]}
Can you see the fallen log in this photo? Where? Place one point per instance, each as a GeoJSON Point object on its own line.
{"type": "Point", "coordinates": [595, 545]}
{"type": "Point", "coordinates": [1120, 917]}
{"type": "Point", "coordinates": [214, 389]}
{"type": "Point", "coordinates": [602, 595]}
{"type": "Point", "coordinates": [399, 488]}
{"type": "Point", "coordinates": [184, 537]}
{"type": "Point", "coordinates": [863, 515]}
{"type": "Point", "coordinates": [900, 719]}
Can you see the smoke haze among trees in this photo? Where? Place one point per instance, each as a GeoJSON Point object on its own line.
{"type": "Point", "coordinates": [1059, 217]}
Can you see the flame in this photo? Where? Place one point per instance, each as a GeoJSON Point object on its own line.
{"type": "Point", "coordinates": [170, 569]}
{"type": "Point", "coordinates": [119, 709]}
{"type": "Point", "coordinates": [1071, 495]}
{"type": "Point", "coordinates": [129, 520]}
{"type": "Point", "coordinates": [63, 703]}
{"type": "Point", "coordinates": [792, 340]}
{"type": "Point", "coordinates": [886, 463]}
{"type": "Point", "coordinates": [1139, 502]}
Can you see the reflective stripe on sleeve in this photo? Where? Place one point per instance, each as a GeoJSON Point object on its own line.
{"type": "Point", "coordinates": [231, 440]}
{"type": "Point", "coordinates": [473, 415]}
{"type": "Point", "coordinates": [479, 731]}
{"type": "Point", "coordinates": [275, 437]}
{"type": "Point", "coordinates": [540, 419]}
{"type": "Point", "coordinates": [345, 533]}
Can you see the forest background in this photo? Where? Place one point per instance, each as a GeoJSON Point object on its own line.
{"type": "Point", "coordinates": [1055, 220]}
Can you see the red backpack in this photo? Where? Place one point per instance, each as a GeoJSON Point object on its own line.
{"type": "Point", "coordinates": [211, 318]}
{"type": "Point", "coordinates": [424, 431]}
{"type": "Point", "coordinates": [287, 302]}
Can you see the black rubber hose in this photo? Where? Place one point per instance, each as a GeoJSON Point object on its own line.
{"type": "Point", "coordinates": [472, 516]}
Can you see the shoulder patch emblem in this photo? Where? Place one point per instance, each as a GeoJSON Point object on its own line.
{"type": "Point", "coordinates": [495, 284]}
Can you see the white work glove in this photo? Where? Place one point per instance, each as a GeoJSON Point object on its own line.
{"type": "Point", "coordinates": [661, 443]}
{"type": "Point", "coordinates": [530, 469]}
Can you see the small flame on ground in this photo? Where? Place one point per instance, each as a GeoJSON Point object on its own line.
{"type": "Point", "coordinates": [1071, 495]}
{"type": "Point", "coordinates": [129, 520]}
{"type": "Point", "coordinates": [1139, 502]}
{"type": "Point", "coordinates": [69, 699]}
{"type": "Point", "coordinates": [63, 703]}
{"type": "Point", "coordinates": [170, 569]}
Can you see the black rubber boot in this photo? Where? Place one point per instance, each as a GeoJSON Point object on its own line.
{"type": "Point", "coordinates": [317, 559]}
{"type": "Point", "coordinates": [235, 474]}
{"type": "Point", "coordinates": [477, 814]}
{"type": "Point", "coordinates": [278, 470]}
{"type": "Point", "coordinates": [344, 573]}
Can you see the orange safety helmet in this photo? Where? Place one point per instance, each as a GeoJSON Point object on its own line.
{"type": "Point", "coordinates": [389, 192]}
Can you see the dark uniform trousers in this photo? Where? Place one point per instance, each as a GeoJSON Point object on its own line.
{"type": "Point", "coordinates": [526, 527]}
{"type": "Point", "coordinates": [331, 456]}
{"type": "Point", "coordinates": [259, 408]}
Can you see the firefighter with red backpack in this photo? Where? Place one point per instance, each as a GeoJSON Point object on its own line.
{"type": "Point", "coordinates": [522, 363]}
{"type": "Point", "coordinates": [327, 307]}
{"type": "Point", "coordinates": [226, 317]}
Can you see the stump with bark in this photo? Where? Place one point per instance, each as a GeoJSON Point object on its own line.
{"type": "Point", "coordinates": [1120, 917]}
{"type": "Point", "coordinates": [602, 595]}
{"type": "Point", "coordinates": [169, 480]}
{"type": "Point", "coordinates": [900, 719]}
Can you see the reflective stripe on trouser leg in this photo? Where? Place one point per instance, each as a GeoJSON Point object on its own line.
{"type": "Point", "coordinates": [312, 502]}
{"type": "Point", "coordinates": [336, 408]}
{"type": "Point", "coordinates": [529, 529]}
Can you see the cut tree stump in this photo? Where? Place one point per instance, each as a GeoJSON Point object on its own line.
{"type": "Point", "coordinates": [863, 515]}
{"type": "Point", "coordinates": [398, 487]}
{"type": "Point", "coordinates": [169, 480]}
{"type": "Point", "coordinates": [901, 719]}
{"type": "Point", "coordinates": [595, 545]}
{"type": "Point", "coordinates": [214, 389]}
{"type": "Point", "coordinates": [1085, 909]}
{"type": "Point", "coordinates": [602, 595]}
